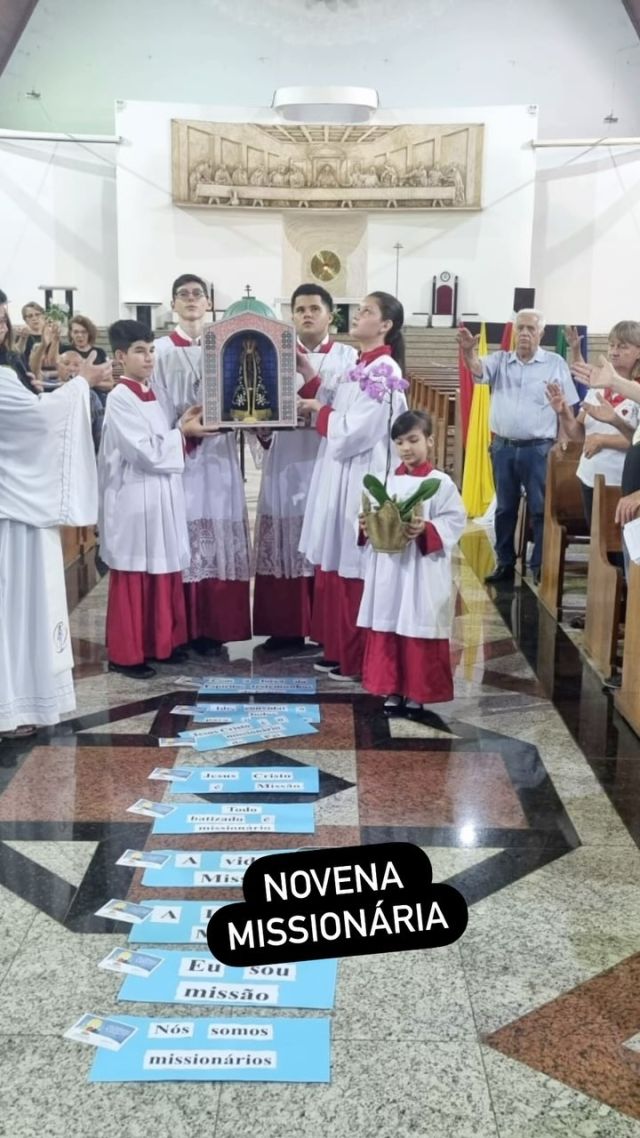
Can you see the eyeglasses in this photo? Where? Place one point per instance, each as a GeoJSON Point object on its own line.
{"type": "Point", "coordinates": [190, 294]}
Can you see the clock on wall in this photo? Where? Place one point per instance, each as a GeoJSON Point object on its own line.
{"type": "Point", "coordinates": [325, 265]}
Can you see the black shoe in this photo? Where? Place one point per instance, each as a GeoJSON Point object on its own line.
{"type": "Point", "coordinates": [500, 573]}
{"type": "Point", "coordinates": [535, 576]}
{"type": "Point", "coordinates": [133, 671]}
{"type": "Point", "coordinates": [279, 643]}
{"type": "Point", "coordinates": [393, 705]}
{"type": "Point", "coordinates": [612, 683]}
{"type": "Point", "coordinates": [325, 665]}
{"type": "Point", "coordinates": [178, 656]}
{"type": "Point", "coordinates": [205, 646]}
{"type": "Point", "coordinates": [577, 622]}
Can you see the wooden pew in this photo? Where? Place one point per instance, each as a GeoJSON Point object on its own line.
{"type": "Point", "coordinates": [564, 522]}
{"type": "Point", "coordinates": [627, 700]}
{"type": "Point", "coordinates": [605, 583]}
{"type": "Point", "coordinates": [76, 542]}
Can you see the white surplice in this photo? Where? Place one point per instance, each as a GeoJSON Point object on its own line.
{"type": "Point", "coordinates": [287, 471]}
{"type": "Point", "coordinates": [48, 479]}
{"type": "Point", "coordinates": [214, 491]}
{"type": "Point", "coordinates": [143, 526]}
{"type": "Point", "coordinates": [356, 444]}
{"type": "Point", "coordinates": [409, 593]}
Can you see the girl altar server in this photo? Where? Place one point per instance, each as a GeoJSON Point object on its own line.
{"type": "Point", "coordinates": [406, 604]}
{"type": "Point", "coordinates": [355, 438]}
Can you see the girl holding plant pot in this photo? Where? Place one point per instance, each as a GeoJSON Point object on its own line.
{"type": "Point", "coordinates": [406, 604]}
{"type": "Point", "coordinates": [355, 435]}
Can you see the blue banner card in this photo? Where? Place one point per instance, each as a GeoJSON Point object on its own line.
{"type": "Point", "coordinates": [248, 780]}
{"type": "Point", "coordinates": [286, 685]}
{"type": "Point", "coordinates": [233, 1049]}
{"type": "Point", "coordinates": [246, 731]}
{"type": "Point", "coordinates": [200, 980]}
{"type": "Point", "coordinates": [239, 818]}
{"type": "Point", "coordinates": [175, 922]}
{"type": "Point", "coordinates": [204, 869]}
{"type": "Point", "coordinates": [208, 712]}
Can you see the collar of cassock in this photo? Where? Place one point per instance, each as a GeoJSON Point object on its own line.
{"type": "Point", "coordinates": [373, 353]}
{"type": "Point", "coordinates": [181, 340]}
{"type": "Point", "coordinates": [321, 349]}
{"type": "Point", "coordinates": [145, 394]}
{"type": "Point", "coordinates": [417, 472]}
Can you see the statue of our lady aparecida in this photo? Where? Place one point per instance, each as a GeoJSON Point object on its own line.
{"type": "Point", "coordinates": [250, 401]}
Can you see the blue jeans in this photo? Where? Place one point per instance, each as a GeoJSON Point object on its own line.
{"type": "Point", "coordinates": [513, 467]}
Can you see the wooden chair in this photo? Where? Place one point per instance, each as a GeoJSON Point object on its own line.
{"type": "Point", "coordinates": [605, 583]}
{"type": "Point", "coordinates": [627, 700]}
{"type": "Point", "coordinates": [564, 522]}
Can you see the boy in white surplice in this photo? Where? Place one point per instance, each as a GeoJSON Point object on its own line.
{"type": "Point", "coordinates": [143, 524]}
{"type": "Point", "coordinates": [406, 603]}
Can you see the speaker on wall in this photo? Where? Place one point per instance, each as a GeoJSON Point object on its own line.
{"type": "Point", "coordinates": [524, 298]}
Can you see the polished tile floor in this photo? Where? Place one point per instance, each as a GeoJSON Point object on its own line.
{"type": "Point", "coordinates": [525, 792]}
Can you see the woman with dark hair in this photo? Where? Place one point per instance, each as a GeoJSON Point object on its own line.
{"type": "Point", "coordinates": [355, 434]}
{"type": "Point", "coordinates": [9, 357]}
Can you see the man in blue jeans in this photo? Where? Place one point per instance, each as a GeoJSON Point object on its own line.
{"type": "Point", "coordinates": [525, 426]}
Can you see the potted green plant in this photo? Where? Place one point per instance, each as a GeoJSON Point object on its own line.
{"type": "Point", "coordinates": [386, 518]}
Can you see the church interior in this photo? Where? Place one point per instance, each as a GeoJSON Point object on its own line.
{"type": "Point", "coordinates": [465, 179]}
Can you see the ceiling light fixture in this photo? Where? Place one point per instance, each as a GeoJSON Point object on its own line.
{"type": "Point", "coordinates": [325, 104]}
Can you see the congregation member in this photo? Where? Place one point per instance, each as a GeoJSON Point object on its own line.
{"type": "Point", "coordinates": [217, 579]}
{"type": "Point", "coordinates": [142, 523]}
{"type": "Point", "coordinates": [9, 357]}
{"type": "Point", "coordinates": [82, 336]}
{"type": "Point", "coordinates": [48, 480]}
{"type": "Point", "coordinates": [603, 375]}
{"type": "Point", "coordinates": [68, 366]}
{"type": "Point", "coordinates": [608, 420]}
{"type": "Point", "coordinates": [525, 426]}
{"type": "Point", "coordinates": [406, 605]}
{"type": "Point", "coordinates": [283, 591]}
{"type": "Point", "coordinates": [355, 437]}
{"type": "Point", "coordinates": [30, 335]}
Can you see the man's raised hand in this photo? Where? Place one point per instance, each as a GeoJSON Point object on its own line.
{"type": "Point", "coordinates": [96, 375]}
{"type": "Point", "coordinates": [466, 341]}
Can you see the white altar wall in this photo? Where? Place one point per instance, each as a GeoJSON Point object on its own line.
{"type": "Point", "coordinates": [587, 235]}
{"type": "Point", "coordinates": [58, 223]}
{"type": "Point", "coordinates": [490, 249]}
{"type": "Point", "coordinates": [58, 204]}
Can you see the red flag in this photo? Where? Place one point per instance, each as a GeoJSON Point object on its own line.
{"type": "Point", "coordinates": [508, 337]}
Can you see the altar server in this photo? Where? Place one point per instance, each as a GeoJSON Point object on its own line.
{"type": "Point", "coordinates": [406, 604]}
{"type": "Point", "coordinates": [216, 580]}
{"type": "Point", "coordinates": [355, 434]}
{"type": "Point", "coordinates": [284, 578]}
{"type": "Point", "coordinates": [190, 301]}
{"type": "Point", "coordinates": [143, 526]}
{"type": "Point", "coordinates": [48, 480]}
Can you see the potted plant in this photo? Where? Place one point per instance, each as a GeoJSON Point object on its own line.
{"type": "Point", "coordinates": [386, 518]}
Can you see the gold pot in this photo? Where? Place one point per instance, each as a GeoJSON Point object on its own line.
{"type": "Point", "coordinates": [386, 529]}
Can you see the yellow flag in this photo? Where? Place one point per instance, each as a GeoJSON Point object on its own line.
{"type": "Point", "coordinates": [477, 481]}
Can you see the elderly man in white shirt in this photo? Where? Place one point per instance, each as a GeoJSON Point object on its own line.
{"type": "Point", "coordinates": [524, 385]}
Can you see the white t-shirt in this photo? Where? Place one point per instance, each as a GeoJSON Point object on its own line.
{"type": "Point", "coordinates": [607, 461]}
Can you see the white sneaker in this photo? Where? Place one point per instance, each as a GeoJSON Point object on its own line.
{"type": "Point", "coordinates": [336, 674]}
{"type": "Point", "coordinates": [325, 665]}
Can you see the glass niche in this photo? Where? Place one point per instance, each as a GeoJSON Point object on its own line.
{"type": "Point", "coordinates": [249, 371]}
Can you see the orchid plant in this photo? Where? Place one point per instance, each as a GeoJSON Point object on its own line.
{"type": "Point", "coordinates": [380, 382]}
